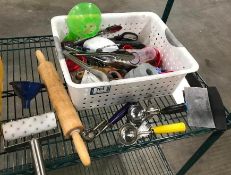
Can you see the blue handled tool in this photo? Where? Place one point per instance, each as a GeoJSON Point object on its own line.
{"type": "Point", "coordinates": [90, 134]}
{"type": "Point", "coordinates": [26, 91]}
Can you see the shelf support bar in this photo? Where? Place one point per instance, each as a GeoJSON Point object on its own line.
{"type": "Point", "coordinates": [167, 10]}
{"type": "Point", "coordinates": [200, 152]}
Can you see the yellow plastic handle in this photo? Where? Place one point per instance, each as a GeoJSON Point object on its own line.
{"type": "Point", "coordinates": [164, 129]}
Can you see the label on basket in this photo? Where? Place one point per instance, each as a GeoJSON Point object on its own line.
{"type": "Point", "coordinates": [100, 90]}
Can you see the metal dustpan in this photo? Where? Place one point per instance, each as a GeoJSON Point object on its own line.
{"type": "Point", "coordinates": [205, 108]}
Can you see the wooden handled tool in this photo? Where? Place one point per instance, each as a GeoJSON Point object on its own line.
{"type": "Point", "coordinates": [1, 86]}
{"type": "Point", "coordinates": [67, 114]}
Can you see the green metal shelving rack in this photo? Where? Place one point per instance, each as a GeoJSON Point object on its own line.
{"type": "Point", "coordinates": [20, 64]}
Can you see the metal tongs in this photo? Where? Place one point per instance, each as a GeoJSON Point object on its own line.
{"type": "Point", "coordinates": [118, 60]}
{"type": "Point", "coordinates": [101, 76]}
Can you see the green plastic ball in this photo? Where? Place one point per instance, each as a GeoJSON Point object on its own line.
{"type": "Point", "coordinates": [84, 20]}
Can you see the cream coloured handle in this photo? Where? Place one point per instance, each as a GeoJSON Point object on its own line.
{"type": "Point", "coordinates": [41, 58]}
{"type": "Point", "coordinates": [81, 148]}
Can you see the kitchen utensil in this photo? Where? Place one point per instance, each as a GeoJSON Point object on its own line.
{"type": "Point", "coordinates": [126, 36]}
{"type": "Point", "coordinates": [117, 60]}
{"type": "Point", "coordinates": [75, 67]}
{"type": "Point", "coordinates": [130, 44]}
{"type": "Point", "coordinates": [114, 75]}
{"type": "Point", "coordinates": [144, 69]}
{"type": "Point", "coordinates": [98, 42]}
{"type": "Point", "coordinates": [90, 134]}
{"type": "Point", "coordinates": [67, 115]}
{"type": "Point", "coordinates": [128, 133]}
{"type": "Point", "coordinates": [26, 91]}
{"type": "Point", "coordinates": [205, 108]}
{"type": "Point", "coordinates": [15, 130]}
{"type": "Point", "coordinates": [101, 76]}
{"type": "Point", "coordinates": [119, 56]}
{"type": "Point", "coordinates": [110, 29]}
{"type": "Point", "coordinates": [147, 55]}
{"type": "Point", "coordinates": [137, 114]}
{"type": "Point", "coordinates": [89, 78]}
{"type": "Point", "coordinates": [83, 21]}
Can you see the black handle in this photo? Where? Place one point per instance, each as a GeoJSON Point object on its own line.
{"type": "Point", "coordinates": [111, 29]}
{"type": "Point", "coordinates": [174, 109]}
{"type": "Point", "coordinates": [193, 80]}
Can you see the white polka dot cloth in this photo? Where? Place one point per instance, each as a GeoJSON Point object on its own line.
{"type": "Point", "coordinates": [29, 126]}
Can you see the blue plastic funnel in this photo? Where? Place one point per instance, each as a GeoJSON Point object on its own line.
{"type": "Point", "coordinates": [26, 90]}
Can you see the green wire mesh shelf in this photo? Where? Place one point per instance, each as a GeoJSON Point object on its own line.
{"type": "Point", "coordinates": [20, 64]}
{"type": "Point", "coordinates": [146, 161]}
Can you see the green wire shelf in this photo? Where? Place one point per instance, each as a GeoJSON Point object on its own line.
{"type": "Point", "coordinates": [20, 64]}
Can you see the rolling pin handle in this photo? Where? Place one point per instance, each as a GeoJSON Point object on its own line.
{"type": "Point", "coordinates": [81, 148]}
{"type": "Point", "coordinates": [41, 58]}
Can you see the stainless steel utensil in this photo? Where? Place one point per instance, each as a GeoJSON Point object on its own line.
{"type": "Point", "coordinates": [99, 74]}
{"type": "Point", "coordinates": [90, 134]}
{"type": "Point", "coordinates": [129, 133]}
{"type": "Point", "coordinates": [117, 60]}
{"type": "Point", "coordinates": [137, 114]}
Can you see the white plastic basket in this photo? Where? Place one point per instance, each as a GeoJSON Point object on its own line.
{"type": "Point", "coordinates": [152, 32]}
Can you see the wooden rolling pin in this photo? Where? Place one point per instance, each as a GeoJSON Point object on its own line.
{"type": "Point", "coordinates": [67, 114]}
